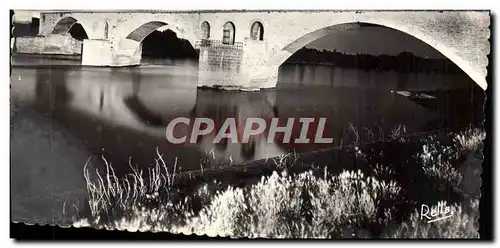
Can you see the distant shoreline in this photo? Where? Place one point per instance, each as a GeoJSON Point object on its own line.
{"type": "Point", "coordinates": [405, 61]}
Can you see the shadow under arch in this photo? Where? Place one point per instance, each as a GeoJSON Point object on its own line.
{"type": "Point", "coordinates": [139, 36]}
{"type": "Point", "coordinates": [72, 26]}
{"type": "Point", "coordinates": [294, 46]}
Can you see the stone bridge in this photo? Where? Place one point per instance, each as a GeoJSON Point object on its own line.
{"type": "Point", "coordinates": [244, 49]}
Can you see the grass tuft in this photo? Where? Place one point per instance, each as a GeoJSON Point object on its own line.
{"type": "Point", "coordinates": [298, 206]}
{"type": "Point", "coordinates": [311, 204]}
{"type": "Point", "coordinates": [470, 140]}
{"type": "Point", "coordinates": [110, 195]}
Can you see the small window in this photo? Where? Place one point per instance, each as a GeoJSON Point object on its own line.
{"type": "Point", "coordinates": [228, 33]}
{"type": "Point", "coordinates": [106, 30]}
{"type": "Point", "coordinates": [205, 30]}
{"type": "Point", "coordinates": [257, 31]}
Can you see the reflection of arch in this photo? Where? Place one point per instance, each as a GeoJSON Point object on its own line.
{"type": "Point", "coordinates": [257, 31]}
{"type": "Point", "coordinates": [66, 24]}
{"type": "Point", "coordinates": [229, 32]}
{"type": "Point", "coordinates": [295, 45]}
{"type": "Point", "coordinates": [248, 149]}
{"type": "Point", "coordinates": [205, 30]}
{"type": "Point", "coordinates": [144, 30]}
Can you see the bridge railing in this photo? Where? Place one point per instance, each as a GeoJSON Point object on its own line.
{"type": "Point", "coordinates": [218, 44]}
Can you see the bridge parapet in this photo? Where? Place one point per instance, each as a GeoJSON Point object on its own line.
{"type": "Point", "coordinates": [217, 44]}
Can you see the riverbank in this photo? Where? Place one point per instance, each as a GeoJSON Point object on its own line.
{"type": "Point", "coordinates": [365, 191]}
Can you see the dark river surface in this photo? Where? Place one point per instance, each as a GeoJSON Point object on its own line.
{"type": "Point", "coordinates": [122, 113]}
{"type": "Point", "coordinates": [62, 114]}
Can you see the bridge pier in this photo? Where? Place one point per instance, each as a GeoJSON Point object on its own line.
{"type": "Point", "coordinates": [96, 52]}
{"type": "Point", "coordinates": [264, 77]}
{"type": "Point", "coordinates": [238, 66]}
{"type": "Point", "coordinates": [105, 53]}
{"type": "Point", "coordinates": [127, 53]}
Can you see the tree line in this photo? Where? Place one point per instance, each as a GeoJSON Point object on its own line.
{"type": "Point", "coordinates": [405, 61]}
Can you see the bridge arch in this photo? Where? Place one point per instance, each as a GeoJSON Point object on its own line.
{"type": "Point", "coordinates": [144, 30]}
{"type": "Point", "coordinates": [129, 49]}
{"type": "Point", "coordinates": [297, 43]}
{"type": "Point", "coordinates": [66, 24]}
{"type": "Point", "coordinates": [140, 33]}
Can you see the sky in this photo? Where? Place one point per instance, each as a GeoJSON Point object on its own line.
{"type": "Point", "coordinates": [374, 40]}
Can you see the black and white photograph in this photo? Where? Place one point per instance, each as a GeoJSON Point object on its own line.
{"type": "Point", "coordinates": [274, 124]}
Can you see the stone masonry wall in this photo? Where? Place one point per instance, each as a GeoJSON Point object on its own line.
{"type": "Point", "coordinates": [220, 65]}
{"type": "Point", "coordinates": [65, 45]}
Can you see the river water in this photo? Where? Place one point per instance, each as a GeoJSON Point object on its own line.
{"type": "Point", "coordinates": [122, 113]}
{"type": "Point", "coordinates": [64, 116]}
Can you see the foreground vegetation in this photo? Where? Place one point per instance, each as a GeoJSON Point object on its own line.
{"type": "Point", "coordinates": [382, 199]}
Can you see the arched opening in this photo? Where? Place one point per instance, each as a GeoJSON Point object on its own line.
{"type": "Point", "coordinates": [70, 25]}
{"type": "Point", "coordinates": [161, 45]}
{"type": "Point", "coordinates": [257, 31]}
{"type": "Point", "coordinates": [381, 77]}
{"type": "Point", "coordinates": [78, 32]}
{"type": "Point", "coordinates": [414, 34]}
{"type": "Point", "coordinates": [229, 32]}
{"type": "Point", "coordinates": [368, 47]}
{"type": "Point", "coordinates": [205, 30]}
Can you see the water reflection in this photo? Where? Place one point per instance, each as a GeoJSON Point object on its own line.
{"type": "Point", "coordinates": [123, 113]}
{"type": "Point", "coordinates": [328, 75]}
{"type": "Point", "coordinates": [221, 105]}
